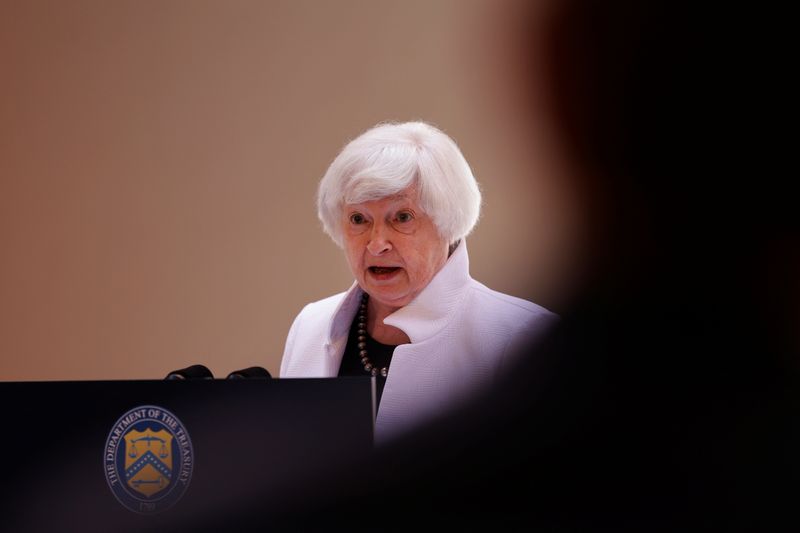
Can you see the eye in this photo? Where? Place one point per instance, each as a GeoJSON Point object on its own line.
{"type": "Point", "coordinates": [404, 216]}
{"type": "Point", "coordinates": [357, 218]}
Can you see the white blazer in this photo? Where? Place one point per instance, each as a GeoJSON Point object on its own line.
{"type": "Point", "coordinates": [461, 332]}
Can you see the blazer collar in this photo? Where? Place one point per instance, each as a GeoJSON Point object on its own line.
{"type": "Point", "coordinates": [344, 313]}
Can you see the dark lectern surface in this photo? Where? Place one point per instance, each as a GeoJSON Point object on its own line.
{"type": "Point", "coordinates": [253, 444]}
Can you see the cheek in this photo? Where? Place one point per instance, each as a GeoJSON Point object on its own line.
{"type": "Point", "coordinates": [352, 256]}
{"type": "Point", "coordinates": [428, 260]}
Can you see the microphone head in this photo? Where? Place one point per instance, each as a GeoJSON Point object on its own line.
{"type": "Point", "coordinates": [256, 372]}
{"type": "Point", "coordinates": [190, 372]}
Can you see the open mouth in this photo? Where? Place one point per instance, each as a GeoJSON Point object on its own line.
{"type": "Point", "coordinates": [379, 271]}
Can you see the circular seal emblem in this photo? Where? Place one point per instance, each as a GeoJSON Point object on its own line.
{"type": "Point", "coordinates": [148, 459]}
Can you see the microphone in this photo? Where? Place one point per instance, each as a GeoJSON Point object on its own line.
{"type": "Point", "coordinates": [253, 372]}
{"type": "Point", "coordinates": [190, 372]}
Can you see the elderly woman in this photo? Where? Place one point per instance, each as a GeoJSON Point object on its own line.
{"type": "Point", "coordinates": [400, 200]}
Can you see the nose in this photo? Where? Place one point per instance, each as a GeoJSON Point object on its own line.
{"type": "Point", "coordinates": [379, 242]}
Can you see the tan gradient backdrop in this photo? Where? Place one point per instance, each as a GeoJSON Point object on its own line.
{"type": "Point", "coordinates": [159, 159]}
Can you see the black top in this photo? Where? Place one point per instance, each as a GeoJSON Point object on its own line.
{"type": "Point", "coordinates": [379, 354]}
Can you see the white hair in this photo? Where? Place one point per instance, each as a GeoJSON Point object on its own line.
{"type": "Point", "coordinates": [391, 157]}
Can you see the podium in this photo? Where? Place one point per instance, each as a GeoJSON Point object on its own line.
{"type": "Point", "coordinates": [172, 455]}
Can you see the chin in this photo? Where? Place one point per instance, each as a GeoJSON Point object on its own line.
{"type": "Point", "coordinates": [390, 299]}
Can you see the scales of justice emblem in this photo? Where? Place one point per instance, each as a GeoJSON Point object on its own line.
{"type": "Point", "coordinates": [148, 459]}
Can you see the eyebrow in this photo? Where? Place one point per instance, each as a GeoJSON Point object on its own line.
{"type": "Point", "coordinates": [393, 199]}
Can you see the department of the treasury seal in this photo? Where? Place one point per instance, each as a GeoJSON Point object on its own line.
{"type": "Point", "coordinates": [148, 459]}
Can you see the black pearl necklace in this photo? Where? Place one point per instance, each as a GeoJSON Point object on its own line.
{"type": "Point", "coordinates": [362, 340]}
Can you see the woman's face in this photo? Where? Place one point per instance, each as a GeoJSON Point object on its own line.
{"type": "Point", "coordinates": [393, 247]}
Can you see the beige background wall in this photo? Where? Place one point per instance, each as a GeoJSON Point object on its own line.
{"type": "Point", "coordinates": [159, 159]}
